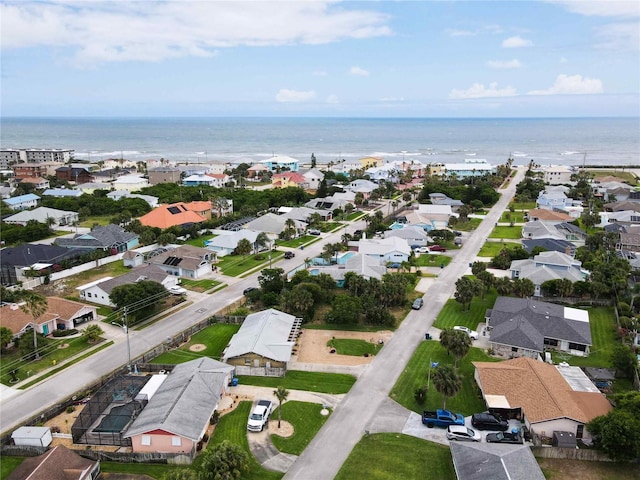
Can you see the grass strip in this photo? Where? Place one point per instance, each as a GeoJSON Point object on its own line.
{"type": "Point", "coordinates": [392, 456]}
{"type": "Point", "coordinates": [215, 337]}
{"type": "Point", "coordinates": [333, 383]}
{"type": "Point", "coordinates": [354, 347]}
{"type": "Point", "coordinates": [306, 420]}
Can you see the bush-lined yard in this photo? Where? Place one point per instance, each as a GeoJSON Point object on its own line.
{"type": "Point", "coordinates": [416, 374]}
{"type": "Point", "coordinates": [492, 249]}
{"type": "Point", "coordinates": [428, 260]}
{"type": "Point", "coordinates": [393, 456]}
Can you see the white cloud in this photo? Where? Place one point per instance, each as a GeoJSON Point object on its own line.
{"type": "Point", "coordinates": [619, 36]}
{"type": "Point", "coordinates": [609, 8]}
{"type": "Point", "coordinates": [358, 71]}
{"type": "Point", "coordinates": [151, 31]}
{"type": "Point", "coordinates": [293, 96]}
{"type": "Point", "coordinates": [333, 99]}
{"type": "Point", "coordinates": [504, 64]}
{"type": "Point", "coordinates": [516, 42]}
{"type": "Point", "coordinates": [571, 85]}
{"type": "Point", "coordinates": [478, 90]}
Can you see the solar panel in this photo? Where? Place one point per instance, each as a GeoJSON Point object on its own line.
{"type": "Point", "coordinates": [173, 261]}
{"type": "Point", "coordinates": [173, 210]}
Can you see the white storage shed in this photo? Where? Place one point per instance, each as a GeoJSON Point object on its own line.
{"type": "Point", "coordinates": [32, 436]}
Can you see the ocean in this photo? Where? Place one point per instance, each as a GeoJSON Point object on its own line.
{"type": "Point", "coordinates": [557, 141]}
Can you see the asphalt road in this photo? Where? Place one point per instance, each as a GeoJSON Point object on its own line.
{"type": "Point", "coordinates": [326, 453]}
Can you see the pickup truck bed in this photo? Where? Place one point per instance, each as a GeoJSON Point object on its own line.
{"type": "Point", "coordinates": [441, 418]}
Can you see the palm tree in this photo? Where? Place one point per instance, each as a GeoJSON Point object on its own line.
{"type": "Point", "coordinates": [36, 306]}
{"type": "Point", "coordinates": [447, 382]}
{"type": "Point", "coordinates": [281, 394]}
{"type": "Point", "coordinates": [460, 344]}
{"type": "Point", "coordinates": [262, 240]}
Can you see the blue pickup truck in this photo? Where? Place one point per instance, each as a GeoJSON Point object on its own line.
{"type": "Point", "coordinates": [441, 418]}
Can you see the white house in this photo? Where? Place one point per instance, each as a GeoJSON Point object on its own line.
{"type": "Point", "coordinates": [411, 234]}
{"type": "Point", "coordinates": [43, 215]}
{"type": "Point", "coordinates": [227, 241]}
{"type": "Point", "coordinates": [131, 183]}
{"type": "Point", "coordinates": [118, 194]}
{"type": "Point", "coordinates": [387, 250]}
{"type": "Point", "coordinates": [314, 177]}
{"type": "Point", "coordinates": [557, 175]}
{"type": "Point", "coordinates": [22, 202]}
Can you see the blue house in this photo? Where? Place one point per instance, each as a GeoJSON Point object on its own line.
{"type": "Point", "coordinates": [22, 202]}
{"type": "Point", "coordinates": [281, 162]}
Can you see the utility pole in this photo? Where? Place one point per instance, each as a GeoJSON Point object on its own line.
{"type": "Point", "coordinates": [125, 326]}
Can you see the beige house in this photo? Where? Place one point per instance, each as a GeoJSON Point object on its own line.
{"type": "Point", "coordinates": [264, 343]}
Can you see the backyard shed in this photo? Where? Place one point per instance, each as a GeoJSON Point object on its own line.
{"type": "Point", "coordinates": [564, 440]}
{"type": "Point", "coordinates": [32, 436]}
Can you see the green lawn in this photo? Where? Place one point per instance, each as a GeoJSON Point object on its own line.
{"type": "Point", "coordinates": [523, 205]}
{"type": "Point", "coordinates": [296, 242]}
{"type": "Point", "coordinates": [8, 465]}
{"type": "Point", "coordinates": [394, 456]}
{"type": "Point", "coordinates": [329, 226]}
{"type": "Point", "coordinates": [306, 420]}
{"type": "Point", "coordinates": [52, 355]}
{"type": "Point", "coordinates": [233, 427]}
{"type": "Point", "coordinates": [216, 338]}
{"type": "Point", "coordinates": [157, 471]}
{"type": "Point", "coordinates": [236, 265]}
{"type": "Point", "coordinates": [113, 269]}
{"type": "Point", "coordinates": [355, 216]}
{"type": "Point", "coordinates": [467, 401]}
{"type": "Point", "coordinates": [603, 335]}
{"type": "Point", "coordinates": [453, 314]}
{"type": "Point", "coordinates": [492, 249]}
{"type": "Point", "coordinates": [517, 217]}
{"type": "Point", "coordinates": [471, 224]}
{"type": "Point", "coordinates": [199, 242]}
{"type": "Point", "coordinates": [101, 220]}
{"type": "Point", "coordinates": [355, 347]}
{"type": "Point", "coordinates": [513, 233]}
{"type": "Point", "coordinates": [428, 260]}
{"type": "Point", "coordinates": [201, 285]}
{"type": "Point", "coordinates": [628, 177]}
{"type": "Point", "coordinates": [308, 381]}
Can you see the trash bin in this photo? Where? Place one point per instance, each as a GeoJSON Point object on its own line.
{"type": "Point", "coordinates": [234, 382]}
{"type": "Point", "coordinates": [427, 336]}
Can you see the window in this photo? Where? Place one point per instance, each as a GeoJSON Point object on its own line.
{"type": "Point", "coordinates": [579, 431]}
{"type": "Point", "coordinates": [176, 441]}
{"type": "Point", "coordinates": [577, 346]}
{"type": "Point", "coordinates": [514, 349]}
{"type": "Point", "coordinates": [145, 440]}
{"type": "Point", "coordinates": [551, 342]}
{"type": "Point", "coordinates": [247, 361]}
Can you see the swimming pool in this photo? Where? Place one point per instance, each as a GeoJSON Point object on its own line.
{"type": "Point", "coordinates": [117, 418]}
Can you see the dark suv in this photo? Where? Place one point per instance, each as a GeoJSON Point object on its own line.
{"type": "Point", "coordinates": [489, 421]}
{"type": "Point", "coordinates": [289, 254]}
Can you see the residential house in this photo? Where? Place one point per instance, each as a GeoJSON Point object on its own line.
{"type": "Point", "coordinates": [525, 327]}
{"type": "Point", "coordinates": [442, 199]}
{"type": "Point", "coordinates": [57, 463]}
{"type": "Point", "coordinates": [164, 175]}
{"type": "Point", "coordinates": [61, 314]}
{"type": "Point", "coordinates": [91, 187]}
{"type": "Point", "coordinates": [557, 175]}
{"type": "Point", "coordinates": [99, 291]}
{"type": "Point", "coordinates": [302, 214]}
{"type": "Point", "coordinates": [132, 258]}
{"type": "Point", "coordinates": [76, 175]}
{"type": "Point", "coordinates": [264, 343]}
{"type": "Point", "coordinates": [45, 169]}
{"type": "Point", "coordinates": [630, 204]}
{"type": "Point", "coordinates": [184, 261]}
{"type": "Point", "coordinates": [623, 217]}
{"type": "Point", "coordinates": [387, 172]}
{"type": "Point", "coordinates": [130, 183]}
{"type": "Point", "coordinates": [62, 192]}
{"type": "Point", "coordinates": [278, 163]}
{"type": "Point", "coordinates": [273, 224]}
{"type": "Point", "coordinates": [548, 266]}
{"type": "Point", "coordinates": [22, 202]}
{"type": "Point", "coordinates": [629, 238]}
{"type": "Point", "coordinates": [327, 203]}
{"type": "Point", "coordinates": [118, 194]}
{"type": "Point", "coordinates": [177, 415]}
{"type": "Point", "coordinates": [47, 215]}
{"type": "Point", "coordinates": [556, 199]}
{"type": "Point", "coordinates": [548, 402]}
{"type": "Point", "coordinates": [411, 234]}
{"type": "Point", "coordinates": [38, 183]}
{"type": "Point", "coordinates": [217, 180]}
{"type": "Point", "coordinates": [431, 217]}
{"type": "Point", "coordinates": [368, 162]}
{"type": "Point", "coordinates": [14, 261]}
{"type": "Point", "coordinates": [255, 172]}
{"type": "Point", "coordinates": [482, 461]}
{"type": "Point", "coordinates": [562, 231]}
{"type": "Point", "coordinates": [227, 241]}
{"type": "Point", "coordinates": [175, 214]}
{"type": "Point", "coordinates": [289, 179]}
{"type": "Point", "coordinates": [387, 250]}
{"type": "Point", "coordinates": [109, 238]}
{"type": "Point", "coordinates": [362, 186]}
{"type": "Point", "coordinates": [6, 192]}
{"type": "Point", "coordinates": [313, 178]}
{"type": "Point", "coordinates": [477, 167]}
{"type": "Point", "coordinates": [550, 244]}
{"type": "Point", "coordinates": [550, 216]}
{"type": "Point", "coordinates": [614, 191]}
{"type": "Point", "coordinates": [366, 266]}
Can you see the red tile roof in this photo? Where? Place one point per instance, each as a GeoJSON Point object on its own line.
{"type": "Point", "coordinates": [166, 216]}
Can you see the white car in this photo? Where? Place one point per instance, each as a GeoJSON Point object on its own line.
{"type": "Point", "coordinates": [423, 250]}
{"type": "Point", "coordinates": [460, 432]}
{"type": "Point", "coordinates": [175, 290]}
{"type": "Point", "coordinates": [472, 333]}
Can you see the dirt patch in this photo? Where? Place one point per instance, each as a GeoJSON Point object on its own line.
{"type": "Point", "coordinates": [564, 469]}
{"type": "Point", "coordinates": [63, 345]}
{"type": "Point", "coordinates": [198, 347]}
{"type": "Point", "coordinates": [312, 346]}
{"type": "Point", "coordinates": [285, 430]}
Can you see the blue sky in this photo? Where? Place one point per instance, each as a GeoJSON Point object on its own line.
{"type": "Point", "coordinates": [307, 58]}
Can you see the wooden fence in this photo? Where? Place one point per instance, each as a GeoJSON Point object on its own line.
{"type": "Point", "coordinates": [587, 454]}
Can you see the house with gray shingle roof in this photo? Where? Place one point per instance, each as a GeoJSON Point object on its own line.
{"type": "Point", "coordinates": [363, 265]}
{"type": "Point", "coordinates": [227, 241]}
{"type": "Point", "coordinates": [99, 291]}
{"type": "Point", "coordinates": [550, 245]}
{"type": "Point", "coordinates": [524, 327]}
{"type": "Point", "coordinates": [548, 266]}
{"type": "Point", "coordinates": [482, 461]}
{"type": "Point", "coordinates": [184, 261]}
{"type": "Point", "coordinates": [177, 416]}
{"type": "Point", "coordinates": [57, 463]}
{"type": "Point", "coordinates": [110, 238]}
{"type": "Point", "coordinates": [43, 215]}
{"type": "Point", "coordinates": [264, 343]}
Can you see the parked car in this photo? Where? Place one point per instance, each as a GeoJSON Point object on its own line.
{"type": "Point", "coordinates": [457, 233]}
{"type": "Point", "coordinates": [462, 433]}
{"type": "Point", "coordinates": [259, 416]}
{"type": "Point", "coordinates": [423, 250]}
{"type": "Point", "coordinates": [472, 333]}
{"type": "Point", "coordinates": [417, 304]}
{"type": "Point", "coordinates": [288, 255]}
{"type": "Point", "coordinates": [313, 231]}
{"type": "Point", "coordinates": [249, 290]}
{"type": "Point", "coordinates": [504, 437]}
{"type": "Point", "coordinates": [489, 421]}
{"type": "Point", "coordinates": [176, 290]}
{"type": "Point", "coordinates": [441, 418]}
{"type": "Point", "coordinates": [437, 248]}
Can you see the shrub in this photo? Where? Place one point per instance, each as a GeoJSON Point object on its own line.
{"type": "Point", "coordinates": [214, 418]}
{"type": "Point", "coordinates": [64, 333]}
{"type": "Point", "coordinates": [70, 409]}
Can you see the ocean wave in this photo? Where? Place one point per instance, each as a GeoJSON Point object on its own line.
{"type": "Point", "coordinates": [570, 153]}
